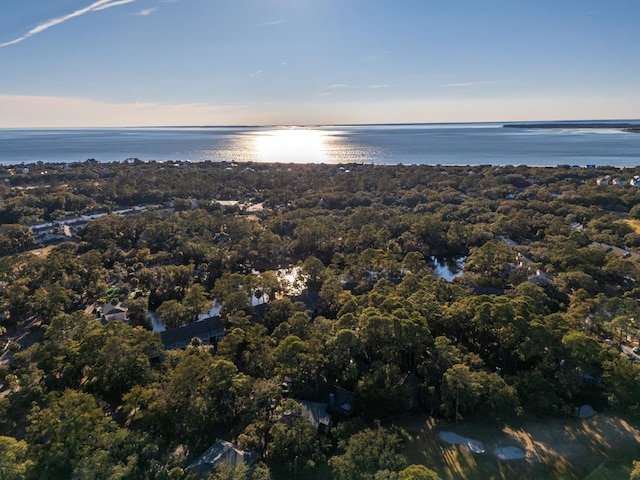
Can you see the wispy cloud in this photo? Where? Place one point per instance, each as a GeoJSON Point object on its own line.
{"type": "Point", "coordinates": [94, 7]}
{"type": "Point", "coordinates": [147, 11]}
{"type": "Point", "coordinates": [257, 72]}
{"type": "Point", "coordinates": [111, 3]}
{"type": "Point", "coordinates": [279, 21]}
{"type": "Point", "coordinates": [469, 84]}
{"type": "Point", "coordinates": [346, 85]}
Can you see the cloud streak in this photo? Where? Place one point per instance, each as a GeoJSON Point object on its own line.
{"type": "Point", "coordinates": [94, 7]}
{"type": "Point", "coordinates": [279, 21]}
{"type": "Point", "coordinates": [346, 85]}
{"type": "Point", "coordinates": [147, 11]}
{"type": "Point", "coordinates": [469, 84]}
{"type": "Point", "coordinates": [111, 3]}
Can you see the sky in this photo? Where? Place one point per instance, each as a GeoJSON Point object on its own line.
{"type": "Point", "coordinates": [95, 63]}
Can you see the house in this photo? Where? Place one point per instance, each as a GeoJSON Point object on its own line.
{"type": "Point", "coordinates": [635, 181]}
{"type": "Point", "coordinates": [316, 413]}
{"type": "Point", "coordinates": [340, 401]}
{"type": "Point", "coordinates": [50, 232]}
{"type": "Point", "coordinates": [618, 181]}
{"type": "Point", "coordinates": [540, 278]}
{"type": "Point", "coordinates": [221, 453]}
{"type": "Point", "coordinates": [209, 331]}
{"type": "Point", "coordinates": [228, 205]}
{"type": "Point", "coordinates": [606, 180]}
{"type": "Point", "coordinates": [109, 312]}
{"type": "Point", "coordinates": [335, 405]}
{"type": "Point", "coordinates": [311, 301]}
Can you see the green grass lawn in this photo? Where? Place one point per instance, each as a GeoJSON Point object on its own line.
{"type": "Point", "coordinates": [602, 447]}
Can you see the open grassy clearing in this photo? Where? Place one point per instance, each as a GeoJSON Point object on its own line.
{"type": "Point", "coordinates": [635, 224]}
{"type": "Point", "coordinates": [43, 251]}
{"type": "Point", "coordinates": [601, 447]}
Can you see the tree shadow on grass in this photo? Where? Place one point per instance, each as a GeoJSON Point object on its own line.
{"type": "Point", "coordinates": [601, 447]}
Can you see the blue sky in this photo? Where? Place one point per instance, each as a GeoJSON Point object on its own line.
{"type": "Point", "coordinates": [256, 62]}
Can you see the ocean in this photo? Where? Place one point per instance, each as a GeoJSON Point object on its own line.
{"type": "Point", "coordinates": [445, 144]}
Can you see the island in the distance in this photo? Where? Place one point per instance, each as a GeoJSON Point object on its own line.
{"type": "Point", "coordinates": [625, 126]}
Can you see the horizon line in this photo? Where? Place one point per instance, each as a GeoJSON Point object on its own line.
{"type": "Point", "coordinates": [317, 125]}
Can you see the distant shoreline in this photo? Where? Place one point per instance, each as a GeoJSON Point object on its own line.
{"type": "Point", "coordinates": [627, 127]}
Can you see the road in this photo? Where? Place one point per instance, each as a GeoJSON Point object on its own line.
{"type": "Point", "coordinates": [629, 353]}
{"type": "Point", "coordinates": [615, 250]}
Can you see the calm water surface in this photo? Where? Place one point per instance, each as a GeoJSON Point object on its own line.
{"type": "Point", "coordinates": [447, 144]}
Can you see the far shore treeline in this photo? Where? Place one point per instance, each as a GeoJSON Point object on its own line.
{"type": "Point", "coordinates": [309, 377]}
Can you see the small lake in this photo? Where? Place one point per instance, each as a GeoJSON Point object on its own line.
{"type": "Point", "coordinates": [448, 268]}
{"type": "Point", "coordinates": [156, 325]}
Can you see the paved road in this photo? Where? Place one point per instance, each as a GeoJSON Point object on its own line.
{"type": "Point", "coordinates": [615, 250]}
{"type": "Point", "coordinates": [629, 353]}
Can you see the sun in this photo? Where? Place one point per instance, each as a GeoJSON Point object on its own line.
{"type": "Point", "coordinates": [292, 145]}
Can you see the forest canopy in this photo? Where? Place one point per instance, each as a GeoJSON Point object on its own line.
{"type": "Point", "coordinates": [461, 293]}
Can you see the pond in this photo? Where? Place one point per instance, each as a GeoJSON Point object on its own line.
{"type": "Point", "coordinates": [156, 325]}
{"type": "Point", "coordinates": [448, 268]}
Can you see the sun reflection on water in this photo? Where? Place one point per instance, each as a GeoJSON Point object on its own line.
{"type": "Point", "coordinates": [292, 145]}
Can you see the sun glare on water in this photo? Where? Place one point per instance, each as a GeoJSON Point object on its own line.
{"type": "Point", "coordinates": [292, 145]}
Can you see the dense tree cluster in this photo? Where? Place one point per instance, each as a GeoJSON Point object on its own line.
{"type": "Point", "coordinates": [547, 294]}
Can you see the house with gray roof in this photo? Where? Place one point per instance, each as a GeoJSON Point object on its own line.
{"type": "Point", "coordinates": [317, 414]}
{"type": "Point", "coordinates": [221, 453]}
{"type": "Point", "coordinates": [209, 331]}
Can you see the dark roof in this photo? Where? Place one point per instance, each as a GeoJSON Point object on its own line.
{"type": "Point", "coordinates": [488, 291]}
{"type": "Point", "coordinates": [340, 399]}
{"type": "Point", "coordinates": [209, 327]}
{"type": "Point", "coordinates": [221, 452]}
{"type": "Point", "coordinates": [311, 300]}
{"type": "Point", "coordinates": [316, 413]}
